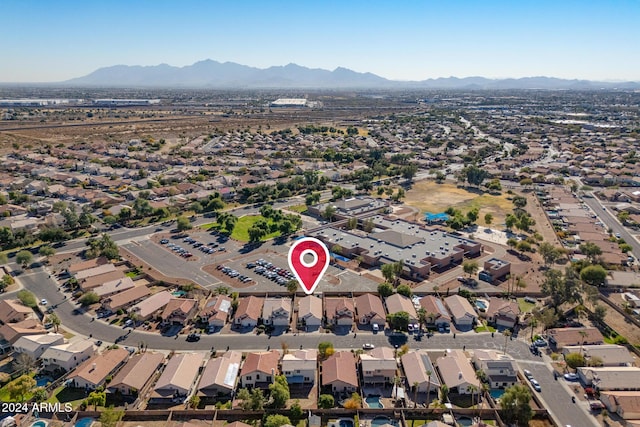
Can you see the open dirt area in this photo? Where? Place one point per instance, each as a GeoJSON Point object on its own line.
{"type": "Point", "coordinates": [429, 196]}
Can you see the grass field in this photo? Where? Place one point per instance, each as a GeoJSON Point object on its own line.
{"type": "Point", "coordinates": [67, 395]}
{"type": "Point", "coordinates": [525, 307]}
{"type": "Point", "coordinates": [429, 196]}
{"type": "Point", "coordinates": [297, 208]}
{"type": "Point", "coordinates": [241, 230]}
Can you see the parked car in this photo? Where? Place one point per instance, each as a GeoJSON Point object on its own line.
{"type": "Point", "coordinates": [528, 374]}
{"type": "Point", "coordinates": [535, 384]}
{"type": "Point", "coordinates": [193, 337]}
{"type": "Point", "coordinates": [571, 377]}
{"type": "Point", "coordinates": [44, 302]}
{"type": "Point", "coordinates": [368, 346]}
{"type": "Point", "coordinates": [540, 343]}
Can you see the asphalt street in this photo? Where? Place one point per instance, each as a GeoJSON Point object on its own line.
{"type": "Point", "coordinates": [610, 221]}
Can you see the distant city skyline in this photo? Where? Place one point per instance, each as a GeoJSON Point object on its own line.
{"type": "Point", "coordinates": [405, 40]}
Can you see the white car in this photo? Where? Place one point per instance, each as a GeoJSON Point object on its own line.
{"type": "Point", "coordinates": [44, 302]}
{"type": "Point", "coordinates": [535, 384]}
{"type": "Point", "coordinates": [368, 346]}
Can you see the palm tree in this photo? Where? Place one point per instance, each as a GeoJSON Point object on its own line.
{"type": "Point", "coordinates": [55, 321]}
{"type": "Point", "coordinates": [583, 334]}
{"type": "Point", "coordinates": [445, 392]}
{"type": "Point", "coordinates": [473, 390]}
{"type": "Point", "coordinates": [428, 372]}
{"type": "Point", "coordinates": [415, 394]}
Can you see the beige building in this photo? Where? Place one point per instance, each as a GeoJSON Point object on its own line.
{"type": "Point", "coordinates": [178, 378]}
{"type": "Point", "coordinates": [93, 372]}
{"type": "Point", "coordinates": [310, 312]}
{"type": "Point", "coordinates": [339, 311]}
{"type": "Point", "coordinates": [370, 310]}
{"type": "Point", "coordinates": [65, 357]}
{"type": "Point", "coordinates": [219, 377]}
{"type": "Point", "coordinates": [260, 369]}
{"type": "Point", "coordinates": [12, 311]}
{"type": "Point", "coordinates": [136, 374]}
{"type": "Point", "coordinates": [339, 372]}
{"type": "Point", "coordinates": [457, 373]}
{"type": "Point", "coordinates": [276, 311]}
{"type": "Point", "coordinates": [378, 366]}
{"type": "Point", "coordinates": [35, 345]}
{"type": "Point", "coordinates": [300, 366]}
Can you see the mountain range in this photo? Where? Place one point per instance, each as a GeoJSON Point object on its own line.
{"type": "Point", "coordinates": [229, 75]}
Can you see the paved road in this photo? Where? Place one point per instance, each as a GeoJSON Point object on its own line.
{"type": "Point", "coordinates": [608, 218]}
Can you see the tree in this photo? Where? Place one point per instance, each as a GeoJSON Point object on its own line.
{"type": "Point", "coordinates": [385, 289]}
{"type": "Point", "coordinates": [276, 420]}
{"type": "Point", "coordinates": [509, 222]}
{"type": "Point", "coordinates": [70, 217]}
{"type": "Point", "coordinates": [27, 298]}
{"type": "Point", "coordinates": [279, 392]}
{"type": "Point", "coordinates": [46, 251]}
{"type": "Point", "coordinates": [590, 250]}
{"type": "Point", "coordinates": [470, 267]}
{"type": "Point", "coordinates": [548, 318]}
{"type": "Point", "coordinates": [472, 215]}
{"type": "Point", "coordinates": [194, 401]}
{"type": "Point", "coordinates": [398, 321]}
{"type": "Point", "coordinates": [40, 394]}
{"type": "Point", "coordinates": [326, 401]}
{"type": "Point", "coordinates": [354, 402]}
{"type": "Point", "coordinates": [89, 298]}
{"type": "Point", "coordinates": [183, 223]}
{"type": "Point", "coordinates": [292, 286]}
{"type": "Point", "coordinates": [325, 349]}
{"type": "Point", "coordinates": [19, 387]}
{"type": "Point", "coordinates": [296, 411]}
{"type": "Point", "coordinates": [574, 360]}
{"type": "Point", "coordinates": [24, 363]}
{"type": "Point", "coordinates": [24, 258]}
{"type": "Point", "coordinates": [560, 288]}
{"type": "Point", "coordinates": [110, 417]}
{"type": "Point", "coordinates": [593, 294]}
{"type": "Point", "coordinates": [475, 175]}
{"type": "Point", "coordinates": [97, 398]}
{"type": "Point", "coordinates": [507, 335]}
{"type": "Point", "coordinates": [55, 321]}
{"type": "Point", "coordinates": [515, 405]}
{"type": "Point", "coordinates": [444, 393]}
{"type": "Point", "coordinates": [594, 275]}
{"type": "Point", "coordinates": [519, 202]}
{"type": "Point", "coordinates": [549, 253]}
{"type": "Point", "coordinates": [599, 313]}
{"type": "Point", "coordinates": [405, 290]}
{"type": "Point", "coordinates": [6, 281]}
{"type": "Point", "coordinates": [429, 373]}
{"type": "Point", "coordinates": [329, 212]}
{"type": "Point", "coordinates": [488, 218]}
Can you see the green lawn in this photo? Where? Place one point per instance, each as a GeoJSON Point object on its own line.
{"type": "Point", "coordinates": [486, 328]}
{"type": "Point", "coordinates": [297, 208]}
{"type": "Point", "coordinates": [63, 394]}
{"type": "Point", "coordinates": [4, 392]}
{"type": "Point", "coordinates": [525, 307]}
{"type": "Point", "coordinates": [241, 230]}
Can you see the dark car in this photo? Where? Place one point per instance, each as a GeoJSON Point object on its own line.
{"type": "Point", "coordinates": [193, 337]}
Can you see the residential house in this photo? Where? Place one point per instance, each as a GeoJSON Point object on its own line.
{"type": "Point", "coordinates": [93, 282]}
{"type": "Point", "coordinates": [146, 308]}
{"type": "Point", "coordinates": [259, 369]}
{"type": "Point", "coordinates": [219, 377]}
{"type": "Point", "coordinates": [136, 374]}
{"type": "Point", "coordinates": [276, 311]}
{"type": "Point", "coordinates": [626, 404]}
{"type": "Point", "coordinates": [126, 298]}
{"type": "Point", "coordinates": [561, 337]}
{"type": "Point", "coordinates": [339, 311]}
{"type": "Point", "coordinates": [437, 314]}
{"type": "Point", "coordinates": [179, 311]}
{"type": "Point", "coordinates": [35, 345]}
{"type": "Point", "coordinates": [114, 286]}
{"type": "Point", "coordinates": [300, 366]}
{"type": "Point", "coordinates": [500, 369]}
{"type": "Point", "coordinates": [609, 354]}
{"type": "Point", "coordinates": [13, 311]}
{"type": "Point", "coordinates": [463, 314]}
{"type": "Point", "coordinates": [65, 357]}
{"type": "Point", "coordinates": [216, 311]}
{"type": "Point", "coordinates": [94, 271]}
{"type": "Point", "coordinates": [178, 378]}
{"type": "Point", "coordinates": [419, 369]}
{"type": "Point", "coordinates": [11, 332]}
{"type": "Point", "coordinates": [310, 312]}
{"type": "Point", "coordinates": [378, 366]}
{"type": "Point", "coordinates": [503, 312]}
{"type": "Point", "coordinates": [610, 377]}
{"type": "Point", "coordinates": [457, 373]}
{"type": "Point", "coordinates": [396, 303]}
{"type": "Point", "coordinates": [339, 373]}
{"type": "Point", "coordinates": [94, 372]}
{"type": "Point", "coordinates": [248, 312]}
{"type": "Point", "coordinates": [370, 310]}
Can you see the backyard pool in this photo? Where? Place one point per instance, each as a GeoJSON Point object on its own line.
{"type": "Point", "coordinates": [39, 423]}
{"type": "Point", "coordinates": [373, 402]}
{"type": "Point", "coordinates": [84, 422]}
{"type": "Point", "coordinates": [380, 421]}
{"type": "Point", "coordinates": [481, 304]}
{"type": "Point", "coordinates": [465, 422]}
{"type": "Point", "coordinates": [496, 393]}
{"type": "Point", "coordinates": [345, 422]}
{"type": "Point", "coordinates": [43, 381]}
{"type": "Point", "coordinates": [178, 293]}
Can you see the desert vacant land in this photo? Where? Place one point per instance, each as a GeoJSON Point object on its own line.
{"type": "Point", "coordinates": [429, 196]}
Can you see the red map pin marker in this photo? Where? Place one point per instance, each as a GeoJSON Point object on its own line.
{"type": "Point", "coordinates": [309, 273]}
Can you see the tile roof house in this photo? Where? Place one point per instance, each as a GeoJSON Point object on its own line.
{"type": "Point", "coordinates": [35, 345]}
{"type": "Point", "coordinates": [624, 403]}
{"type": "Point", "coordinates": [300, 366]}
{"type": "Point", "coordinates": [610, 354]}
{"type": "Point", "coordinates": [178, 377]}
{"type": "Point", "coordinates": [248, 312]}
{"type": "Point", "coordinates": [463, 315]}
{"type": "Point", "coordinates": [396, 303]}
{"type": "Point", "coordinates": [96, 281]}
{"type": "Point", "coordinates": [503, 313]}
{"type": "Point", "coordinates": [125, 298]}
{"type": "Point", "coordinates": [94, 271]}
{"type": "Point", "coordinates": [310, 312]}
{"type": "Point", "coordinates": [12, 311]}
{"type": "Point", "coordinates": [219, 377]}
{"type": "Point", "coordinates": [457, 373]}
{"type": "Point", "coordinates": [179, 311]}
{"type": "Point", "coordinates": [378, 366]}
{"type": "Point", "coordinates": [85, 265]}
{"type": "Point", "coordinates": [216, 311]}
{"type": "Point", "coordinates": [561, 337]}
{"type": "Point", "coordinates": [65, 357]}
{"type": "Point", "coordinates": [437, 313]}
{"type": "Point", "coordinates": [276, 311]}
{"type": "Point", "coordinates": [112, 287]}
{"type": "Point", "coordinates": [146, 308]}
{"type": "Point", "coordinates": [93, 372]}
{"type": "Point", "coordinates": [136, 374]}
{"type": "Point", "coordinates": [370, 310]}
{"type": "Point", "coordinates": [416, 364]}
{"type": "Point", "coordinates": [500, 369]}
{"type": "Point", "coordinates": [12, 331]}
{"type": "Point", "coordinates": [339, 372]}
{"type": "Point", "coordinates": [611, 377]}
{"type": "Point", "coordinates": [339, 311]}
{"type": "Point", "coordinates": [260, 369]}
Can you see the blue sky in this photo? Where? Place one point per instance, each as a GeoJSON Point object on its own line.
{"type": "Point", "coordinates": [48, 41]}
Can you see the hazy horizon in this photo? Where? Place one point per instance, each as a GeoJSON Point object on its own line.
{"type": "Point", "coordinates": [50, 42]}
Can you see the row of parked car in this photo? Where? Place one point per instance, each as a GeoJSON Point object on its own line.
{"type": "Point", "coordinates": [264, 268]}
{"type": "Point", "coordinates": [234, 273]}
{"type": "Point", "coordinates": [177, 249]}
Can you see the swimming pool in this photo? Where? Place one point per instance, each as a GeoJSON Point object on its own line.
{"type": "Point", "coordinates": [374, 402]}
{"type": "Point", "coordinates": [465, 422]}
{"type": "Point", "coordinates": [84, 422]}
{"type": "Point", "coordinates": [496, 393]}
{"type": "Point", "coordinates": [345, 422]}
{"type": "Point", "coordinates": [39, 423]}
{"type": "Point", "coordinates": [481, 304]}
{"type": "Point", "coordinates": [43, 381]}
{"type": "Point", "coordinates": [380, 421]}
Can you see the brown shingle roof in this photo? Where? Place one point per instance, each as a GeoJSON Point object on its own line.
{"type": "Point", "coordinates": [263, 362]}
{"type": "Point", "coordinates": [95, 370]}
{"type": "Point", "coordinates": [138, 370]}
{"type": "Point", "coordinates": [340, 366]}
